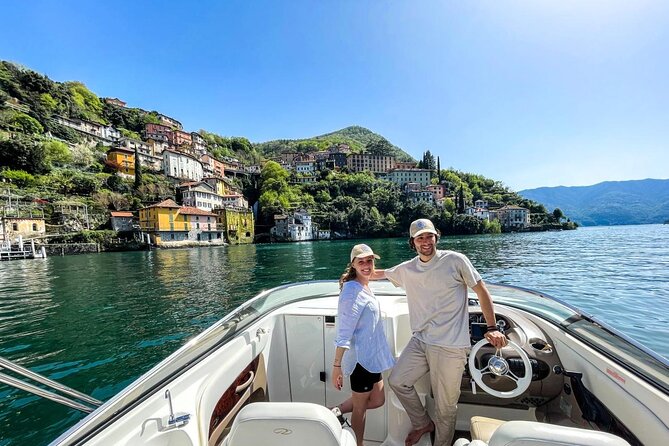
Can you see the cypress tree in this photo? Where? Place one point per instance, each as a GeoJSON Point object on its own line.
{"type": "Point", "coordinates": [138, 170]}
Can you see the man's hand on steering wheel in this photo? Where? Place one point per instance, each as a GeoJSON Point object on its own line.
{"type": "Point", "coordinates": [496, 338]}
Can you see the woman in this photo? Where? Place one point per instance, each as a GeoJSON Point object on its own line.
{"type": "Point", "coordinates": [362, 350]}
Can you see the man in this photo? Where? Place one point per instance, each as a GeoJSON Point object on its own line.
{"type": "Point", "coordinates": [436, 284]}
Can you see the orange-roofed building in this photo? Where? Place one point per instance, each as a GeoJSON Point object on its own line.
{"type": "Point", "coordinates": [122, 220]}
{"type": "Point", "coordinates": [168, 222]}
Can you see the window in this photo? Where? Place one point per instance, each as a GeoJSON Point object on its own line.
{"type": "Point", "coordinates": [34, 226]}
{"type": "Point", "coordinates": [15, 226]}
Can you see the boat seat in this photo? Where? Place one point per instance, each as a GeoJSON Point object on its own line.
{"type": "Point", "coordinates": [482, 428]}
{"type": "Point", "coordinates": [529, 433]}
{"type": "Point", "coordinates": [284, 424]}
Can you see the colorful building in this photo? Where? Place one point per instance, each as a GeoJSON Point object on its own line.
{"type": "Point", "coordinates": [236, 223]}
{"type": "Point", "coordinates": [27, 227]}
{"type": "Point", "coordinates": [167, 222]}
{"type": "Point", "coordinates": [122, 160]}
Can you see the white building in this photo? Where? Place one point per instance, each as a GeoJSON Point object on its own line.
{"type": "Point", "coordinates": [106, 133]}
{"type": "Point", "coordinates": [110, 133]}
{"type": "Point", "coordinates": [132, 144]}
{"type": "Point", "coordinates": [303, 179]}
{"type": "Point", "coordinates": [322, 234]}
{"type": "Point", "coordinates": [181, 165]}
{"type": "Point", "coordinates": [513, 217]}
{"type": "Point", "coordinates": [295, 228]}
{"type": "Point", "coordinates": [235, 200]}
{"type": "Point", "coordinates": [403, 176]}
{"type": "Point", "coordinates": [478, 212]}
{"type": "Point", "coordinates": [200, 195]}
{"type": "Point", "coordinates": [199, 144]}
{"type": "Point", "coordinates": [421, 196]}
{"type": "Point", "coordinates": [305, 167]}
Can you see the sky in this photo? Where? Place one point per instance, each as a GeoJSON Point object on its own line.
{"type": "Point", "coordinates": [531, 93]}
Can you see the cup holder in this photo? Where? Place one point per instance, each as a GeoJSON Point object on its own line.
{"type": "Point", "coordinates": [541, 346]}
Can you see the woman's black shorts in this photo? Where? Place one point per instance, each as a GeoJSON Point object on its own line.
{"type": "Point", "coordinates": [362, 380]}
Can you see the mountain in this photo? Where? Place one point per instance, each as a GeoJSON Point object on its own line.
{"type": "Point", "coordinates": [608, 203]}
{"type": "Point", "coordinates": [360, 139]}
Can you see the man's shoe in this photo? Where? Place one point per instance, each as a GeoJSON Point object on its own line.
{"type": "Point", "coordinates": [337, 411]}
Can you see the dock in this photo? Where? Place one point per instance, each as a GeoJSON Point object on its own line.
{"type": "Point", "coordinates": [18, 251]}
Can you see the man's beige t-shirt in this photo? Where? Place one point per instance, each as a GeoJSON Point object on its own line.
{"type": "Point", "coordinates": [437, 296]}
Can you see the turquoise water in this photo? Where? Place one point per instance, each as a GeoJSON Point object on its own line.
{"type": "Point", "coordinates": [96, 322]}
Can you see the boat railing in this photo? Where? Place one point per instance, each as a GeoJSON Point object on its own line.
{"type": "Point", "coordinates": [24, 373]}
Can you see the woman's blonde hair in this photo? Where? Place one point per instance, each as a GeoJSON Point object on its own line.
{"type": "Point", "coordinates": [349, 274]}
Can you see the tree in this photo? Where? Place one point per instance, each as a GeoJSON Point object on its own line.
{"type": "Point", "coordinates": [273, 171]}
{"type": "Point", "coordinates": [21, 153]}
{"type": "Point", "coordinates": [26, 124]}
{"type": "Point", "coordinates": [19, 178]}
{"type": "Point", "coordinates": [138, 170]}
{"type": "Point", "coordinates": [380, 146]}
{"type": "Point", "coordinates": [117, 184]}
{"type": "Point", "coordinates": [461, 200]}
{"type": "Point", "coordinates": [428, 161]}
{"type": "Point", "coordinates": [57, 152]}
{"type": "Point", "coordinates": [557, 214]}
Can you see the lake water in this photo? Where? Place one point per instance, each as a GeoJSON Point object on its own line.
{"type": "Point", "coordinates": [96, 322]}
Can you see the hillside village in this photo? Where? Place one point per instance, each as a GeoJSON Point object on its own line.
{"type": "Point", "coordinates": [165, 186]}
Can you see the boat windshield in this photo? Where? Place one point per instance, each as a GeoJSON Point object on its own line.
{"type": "Point", "coordinates": [644, 363]}
{"type": "Point", "coordinates": [597, 334]}
{"type": "Point", "coordinates": [196, 350]}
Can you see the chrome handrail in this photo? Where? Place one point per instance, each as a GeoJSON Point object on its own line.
{"type": "Point", "coordinates": [24, 372]}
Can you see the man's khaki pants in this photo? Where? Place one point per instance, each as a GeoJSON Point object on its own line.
{"type": "Point", "coordinates": [445, 365]}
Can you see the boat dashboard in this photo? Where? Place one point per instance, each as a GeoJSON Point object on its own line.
{"type": "Point", "coordinates": [545, 383]}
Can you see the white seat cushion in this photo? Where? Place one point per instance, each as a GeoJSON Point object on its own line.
{"type": "Point", "coordinates": [530, 433]}
{"type": "Point", "coordinates": [284, 424]}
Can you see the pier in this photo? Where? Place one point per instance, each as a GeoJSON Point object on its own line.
{"type": "Point", "coordinates": [19, 252]}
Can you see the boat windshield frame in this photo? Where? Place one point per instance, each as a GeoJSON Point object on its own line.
{"type": "Point", "coordinates": [641, 361]}
{"type": "Point", "coordinates": [194, 351]}
{"type": "Point", "coordinates": [595, 333]}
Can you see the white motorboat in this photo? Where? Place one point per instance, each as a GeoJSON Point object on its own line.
{"type": "Point", "coordinates": [259, 376]}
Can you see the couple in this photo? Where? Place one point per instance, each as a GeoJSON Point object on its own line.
{"type": "Point", "coordinates": [436, 284]}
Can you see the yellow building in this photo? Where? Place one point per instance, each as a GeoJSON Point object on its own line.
{"type": "Point", "coordinates": [164, 222]}
{"type": "Point", "coordinates": [169, 222]}
{"type": "Point", "coordinates": [27, 227]}
{"type": "Point", "coordinates": [236, 223]}
{"type": "Point", "coordinates": [123, 160]}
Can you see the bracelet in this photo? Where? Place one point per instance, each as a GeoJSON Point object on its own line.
{"type": "Point", "coordinates": [335, 365]}
{"type": "Point", "coordinates": [491, 328]}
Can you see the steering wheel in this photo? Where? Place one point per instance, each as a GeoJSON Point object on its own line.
{"type": "Point", "coordinates": [498, 366]}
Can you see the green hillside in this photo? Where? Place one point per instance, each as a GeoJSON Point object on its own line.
{"type": "Point", "coordinates": [44, 162]}
{"type": "Point", "coordinates": [359, 139]}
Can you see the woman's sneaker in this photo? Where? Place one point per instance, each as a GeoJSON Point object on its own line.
{"type": "Point", "coordinates": [337, 411]}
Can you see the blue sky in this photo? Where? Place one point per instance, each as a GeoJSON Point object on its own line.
{"type": "Point", "coordinates": [531, 93]}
